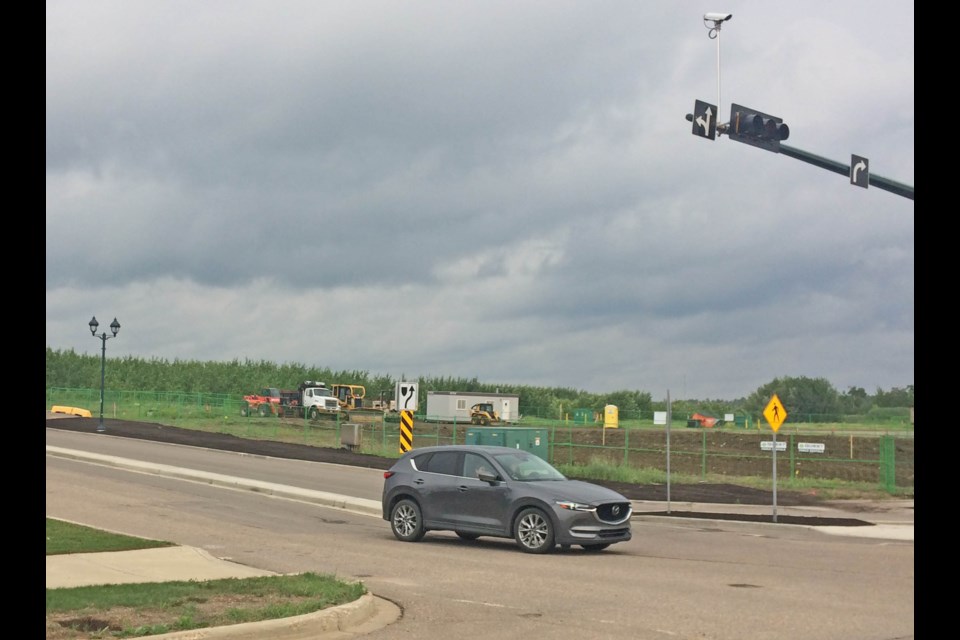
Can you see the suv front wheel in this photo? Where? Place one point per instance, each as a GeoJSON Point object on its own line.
{"type": "Point", "coordinates": [533, 531]}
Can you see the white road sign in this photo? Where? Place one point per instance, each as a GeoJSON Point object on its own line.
{"type": "Point", "coordinates": [407, 396]}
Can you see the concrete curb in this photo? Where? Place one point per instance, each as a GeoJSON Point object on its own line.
{"type": "Point", "coordinates": [345, 621]}
{"type": "Point", "coordinates": [356, 505]}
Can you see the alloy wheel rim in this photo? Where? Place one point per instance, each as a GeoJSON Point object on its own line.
{"type": "Point", "coordinates": [533, 531]}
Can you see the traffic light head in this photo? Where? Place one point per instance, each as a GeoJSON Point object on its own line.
{"type": "Point", "coordinates": [755, 128]}
{"type": "Point", "coordinates": [773, 130]}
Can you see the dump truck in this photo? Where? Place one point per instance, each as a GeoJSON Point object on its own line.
{"type": "Point", "coordinates": [310, 399]}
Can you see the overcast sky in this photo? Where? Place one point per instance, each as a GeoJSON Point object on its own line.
{"type": "Point", "coordinates": [506, 190]}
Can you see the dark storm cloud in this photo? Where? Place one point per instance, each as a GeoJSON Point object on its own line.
{"type": "Point", "coordinates": [215, 162]}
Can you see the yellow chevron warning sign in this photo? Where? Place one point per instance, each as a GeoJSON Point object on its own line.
{"type": "Point", "coordinates": [406, 431]}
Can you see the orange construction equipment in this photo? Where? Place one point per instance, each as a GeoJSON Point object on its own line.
{"type": "Point", "coordinates": [705, 421]}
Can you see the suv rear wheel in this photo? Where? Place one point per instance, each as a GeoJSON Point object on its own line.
{"type": "Point", "coordinates": [406, 521]}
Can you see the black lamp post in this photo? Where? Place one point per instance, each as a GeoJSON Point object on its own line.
{"type": "Point", "coordinates": [114, 327]}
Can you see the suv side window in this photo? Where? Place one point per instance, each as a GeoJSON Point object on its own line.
{"type": "Point", "coordinates": [444, 462]}
{"type": "Point", "coordinates": [473, 463]}
{"type": "Point", "coordinates": [421, 461]}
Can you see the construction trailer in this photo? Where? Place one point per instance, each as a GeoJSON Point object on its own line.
{"type": "Point", "coordinates": [454, 406]}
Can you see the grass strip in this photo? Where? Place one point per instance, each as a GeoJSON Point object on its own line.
{"type": "Point", "coordinates": [144, 609]}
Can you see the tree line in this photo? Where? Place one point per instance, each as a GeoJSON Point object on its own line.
{"type": "Point", "coordinates": [804, 396]}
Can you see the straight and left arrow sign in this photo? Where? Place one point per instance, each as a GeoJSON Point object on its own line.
{"type": "Point", "coordinates": [704, 120]}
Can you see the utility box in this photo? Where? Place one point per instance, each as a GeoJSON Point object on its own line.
{"type": "Point", "coordinates": [351, 435]}
{"type": "Point", "coordinates": [533, 440]}
{"type": "Point", "coordinates": [487, 435]}
{"type": "Point", "coordinates": [582, 416]}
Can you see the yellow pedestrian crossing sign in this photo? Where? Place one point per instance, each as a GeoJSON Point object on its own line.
{"type": "Point", "coordinates": [775, 413]}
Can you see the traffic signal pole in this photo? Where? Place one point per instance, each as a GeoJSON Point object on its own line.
{"type": "Point", "coordinates": [762, 130]}
{"type": "Point", "coordinates": [768, 136]}
{"type": "Point", "coordinates": [843, 169]}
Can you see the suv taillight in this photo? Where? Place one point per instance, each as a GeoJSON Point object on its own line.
{"type": "Point", "coordinates": [387, 474]}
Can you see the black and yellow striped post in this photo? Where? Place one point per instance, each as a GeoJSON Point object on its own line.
{"type": "Point", "coordinates": [406, 431]}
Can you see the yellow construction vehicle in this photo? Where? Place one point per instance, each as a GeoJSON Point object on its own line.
{"type": "Point", "coordinates": [350, 395]}
{"type": "Point", "coordinates": [483, 413]}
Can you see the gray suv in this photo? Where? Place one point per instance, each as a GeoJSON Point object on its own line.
{"type": "Point", "coordinates": [476, 490]}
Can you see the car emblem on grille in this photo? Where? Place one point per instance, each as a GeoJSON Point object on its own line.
{"type": "Point", "coordinates": [616, 509]}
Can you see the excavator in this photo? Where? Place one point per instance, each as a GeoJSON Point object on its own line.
{"type": "Point", "coordinates": [482, 413]}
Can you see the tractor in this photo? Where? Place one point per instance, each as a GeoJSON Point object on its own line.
{"type": "Point", "coordinates": [482, 413]}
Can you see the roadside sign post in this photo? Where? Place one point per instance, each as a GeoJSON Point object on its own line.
{"type": "Point", "coordinates": [406, 431]}
{"type": "Point", "coordinates": [665, 418]}
{"type": "Point", "coordinates": [775, 415]}
{"type": "Point", "coordinates": [669, 421]}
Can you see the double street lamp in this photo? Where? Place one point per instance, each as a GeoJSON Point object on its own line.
{"type": "Point", "coordinates": [114, 327]}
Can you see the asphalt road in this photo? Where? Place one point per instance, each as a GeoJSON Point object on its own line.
{"type": "Point", "coordinates": [675, 579]}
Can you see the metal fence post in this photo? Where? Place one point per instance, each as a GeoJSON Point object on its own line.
{"type": "Point", "coordinates": [703, 454]}
{"type": "Point", "coordinates": [888, 466]}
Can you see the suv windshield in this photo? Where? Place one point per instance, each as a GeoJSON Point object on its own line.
{"type": "Point", "coordinates": [524, 466]}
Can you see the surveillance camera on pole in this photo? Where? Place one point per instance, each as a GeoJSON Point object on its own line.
{"type": "Point", "coordinates": [717, 18]}
{"type": "Point", "coordinates": [714, 34]}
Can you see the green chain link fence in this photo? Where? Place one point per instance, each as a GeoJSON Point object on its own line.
{"type": "Point", "coordinates": [843, 452]}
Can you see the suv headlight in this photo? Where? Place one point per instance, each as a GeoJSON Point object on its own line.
{"type": "Point", "coordinates": [574, 506]}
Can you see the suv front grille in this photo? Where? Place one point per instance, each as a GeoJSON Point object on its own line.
{"type": "Point", "coordinates": [614, 512]}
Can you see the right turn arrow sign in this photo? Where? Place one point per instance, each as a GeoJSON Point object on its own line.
{"type": "Point", "coordinates": [859, 171]}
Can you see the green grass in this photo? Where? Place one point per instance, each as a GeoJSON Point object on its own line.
{"type": "Point", "coordinates": [66, 537]}
{"type": "Point", "coordinates": [135, 610]}
{"type": "Point", "coordinates": [325, 434]}
{"type": "Point", "coordinates": [600, 469]}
